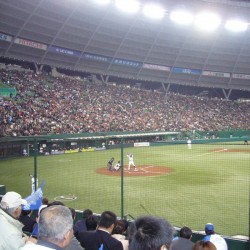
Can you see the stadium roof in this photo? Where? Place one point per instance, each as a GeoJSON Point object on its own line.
{"type": "Point", "coordinates": [84, 36]}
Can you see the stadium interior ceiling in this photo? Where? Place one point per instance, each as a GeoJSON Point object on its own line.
{"type": "Point", "coordinates": [82, 36]}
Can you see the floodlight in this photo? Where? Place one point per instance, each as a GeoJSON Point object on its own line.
{"type": "Point", "coordinates": [207, 21]}
{"type": "Point", "coordinates": [153, 11]}
{"type": "Point", "coordinates": [102, 2]}
{"type": "Point", "coordinates": [236, 25]}
{"type": "Point", "coordinates": [182, 17]}
{"type": "Point", "coordinates": [129, 6]}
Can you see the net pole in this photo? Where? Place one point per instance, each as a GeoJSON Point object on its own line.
{"type": "Point", "coordinates": [35, 162]}
{"type": "Point", "coordinates": [122, 181]}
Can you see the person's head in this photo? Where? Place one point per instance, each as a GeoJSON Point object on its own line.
{"type": "Point", "coordinates": [56, 225]}
{"type": "Point", "coordinates": [86, 213]}
{"type": "Point", "coordinates": [209, 228]}
{"type": "Point", "coordinates": [107, 220]}
{"type": "Point", "coordinates": [12, 203]}
{"type": "Point", "coordinates": [204, 245]}
{"type": "Point", "coordinates": [151, 232]}
{"type": "Point", "coordinates": [45, 201]}
{"type": "Point", "coordinates": [119, 228]}
{"type": "Point", "coordinates": [186, 233]}
{"type": "Point", "coordinates": [91, 222]}
{"type": "Point", "coordinates": [126, 224]}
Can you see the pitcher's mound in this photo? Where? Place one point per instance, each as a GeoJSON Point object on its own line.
{"type": "Point", "coordinates": [141, 170]}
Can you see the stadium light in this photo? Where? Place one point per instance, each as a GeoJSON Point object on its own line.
{"type": "Point", "coordinates": [128, 6]}
{"type": "Point", "coordinates": [153, 11]}
{"type": "Point", "coordinates": [182, 17]}
{"type": "Point", "coordinates": [204, 21]}
{"type": "Point", "coordinates": [102, 2]}
{"type": "Point", "coordinates": [207, 21]}
{"type": "Point", "coordinates": [236, 25]}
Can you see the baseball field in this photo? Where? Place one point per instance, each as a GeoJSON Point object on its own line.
{"type": "Point", "coordinates": [208, 183]}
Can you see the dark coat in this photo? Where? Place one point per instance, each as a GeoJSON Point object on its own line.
{"type": "Point", "coordinates": [92, 240]}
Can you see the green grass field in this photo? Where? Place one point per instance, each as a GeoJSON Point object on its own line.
{"type": "Point", "coordinates": [209, 183]}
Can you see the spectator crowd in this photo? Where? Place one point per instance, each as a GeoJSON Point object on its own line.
{"type": "Point", "coordinates": [56, 230]}
{"type": "Point", "coordinates": [56, 105]}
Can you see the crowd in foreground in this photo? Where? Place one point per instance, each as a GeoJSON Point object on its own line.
{"type": "Point", "coordinates": [49, 105]}
{"type": "Point", "coordinates": [55, 229]}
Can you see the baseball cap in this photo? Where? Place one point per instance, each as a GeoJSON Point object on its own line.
{"type": "Point", "coordinates": [12, 200]}
{"type": "Point", "coordinates": [209, 227]}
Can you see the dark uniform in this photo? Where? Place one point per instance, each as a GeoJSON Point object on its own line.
{"type": "Point", "coordinates": [110, 164]}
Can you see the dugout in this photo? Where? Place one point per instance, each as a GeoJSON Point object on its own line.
{"type": "Point", "coordinates": [55, 143]}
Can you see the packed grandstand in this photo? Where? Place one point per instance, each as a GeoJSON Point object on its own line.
{"type": "Point", "coordinates": [45, 104]}
{"type": "Point", "coordinates": [84, 37]}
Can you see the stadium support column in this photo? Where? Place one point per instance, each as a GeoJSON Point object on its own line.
{"type": "Point", "coordinates": [227, 93]}
{"type": "Point", "coordinates": [104, 79]}
{"type": "Point", "coordinates": [122, 181]}
{"type": "Point", "coordinates": [163, 86]}
{"type": "Point", "coordinates": [39, 68]}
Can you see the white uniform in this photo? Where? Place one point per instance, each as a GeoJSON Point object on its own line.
{"type": "Point", "coordinates": [189, 143]}
{"type": "Point", "coordinates": [131, 161]}
{"type": "Point", "coordinates": [117, 166]}
{"type": "Point", "coordinates": [33, 184]}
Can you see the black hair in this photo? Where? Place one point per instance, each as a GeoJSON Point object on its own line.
{"type": "Point", "coordinates": [119, 227]}
{"type": "Point", "coordinates": [86, 213]}
{"type": "Point", "coordinates": [186, 233]}
{"type": "Point", "coordinates": [107, 219]}
{"type": "Point", "coordinates": [91, 222]}
{"type": "Point", "coordinates": [149, 233]}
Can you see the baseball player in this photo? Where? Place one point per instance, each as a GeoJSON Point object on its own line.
{"type": "Point", "coordinates": [131, 161]}
{"type": "Point", "coordinates": [117, 166]}
{"type": "Point", "coordinates": [110, 164]}
{"type": "Point", "coordinates": [189, 143]}
{"type": "Point", "coordinates": [34, 183]}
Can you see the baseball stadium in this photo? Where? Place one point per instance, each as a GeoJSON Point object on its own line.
{"type": "Point", "coordinates": [131, 111]}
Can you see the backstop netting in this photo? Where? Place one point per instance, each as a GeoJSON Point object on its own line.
{"type": "Point", "coordinates": [188, 184]}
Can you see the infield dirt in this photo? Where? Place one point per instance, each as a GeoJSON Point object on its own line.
{"type": "Point", "coordinates": [142, 170]}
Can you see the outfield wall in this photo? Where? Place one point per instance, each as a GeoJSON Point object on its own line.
{"type": "Point", "coordinates": [239, 140]}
